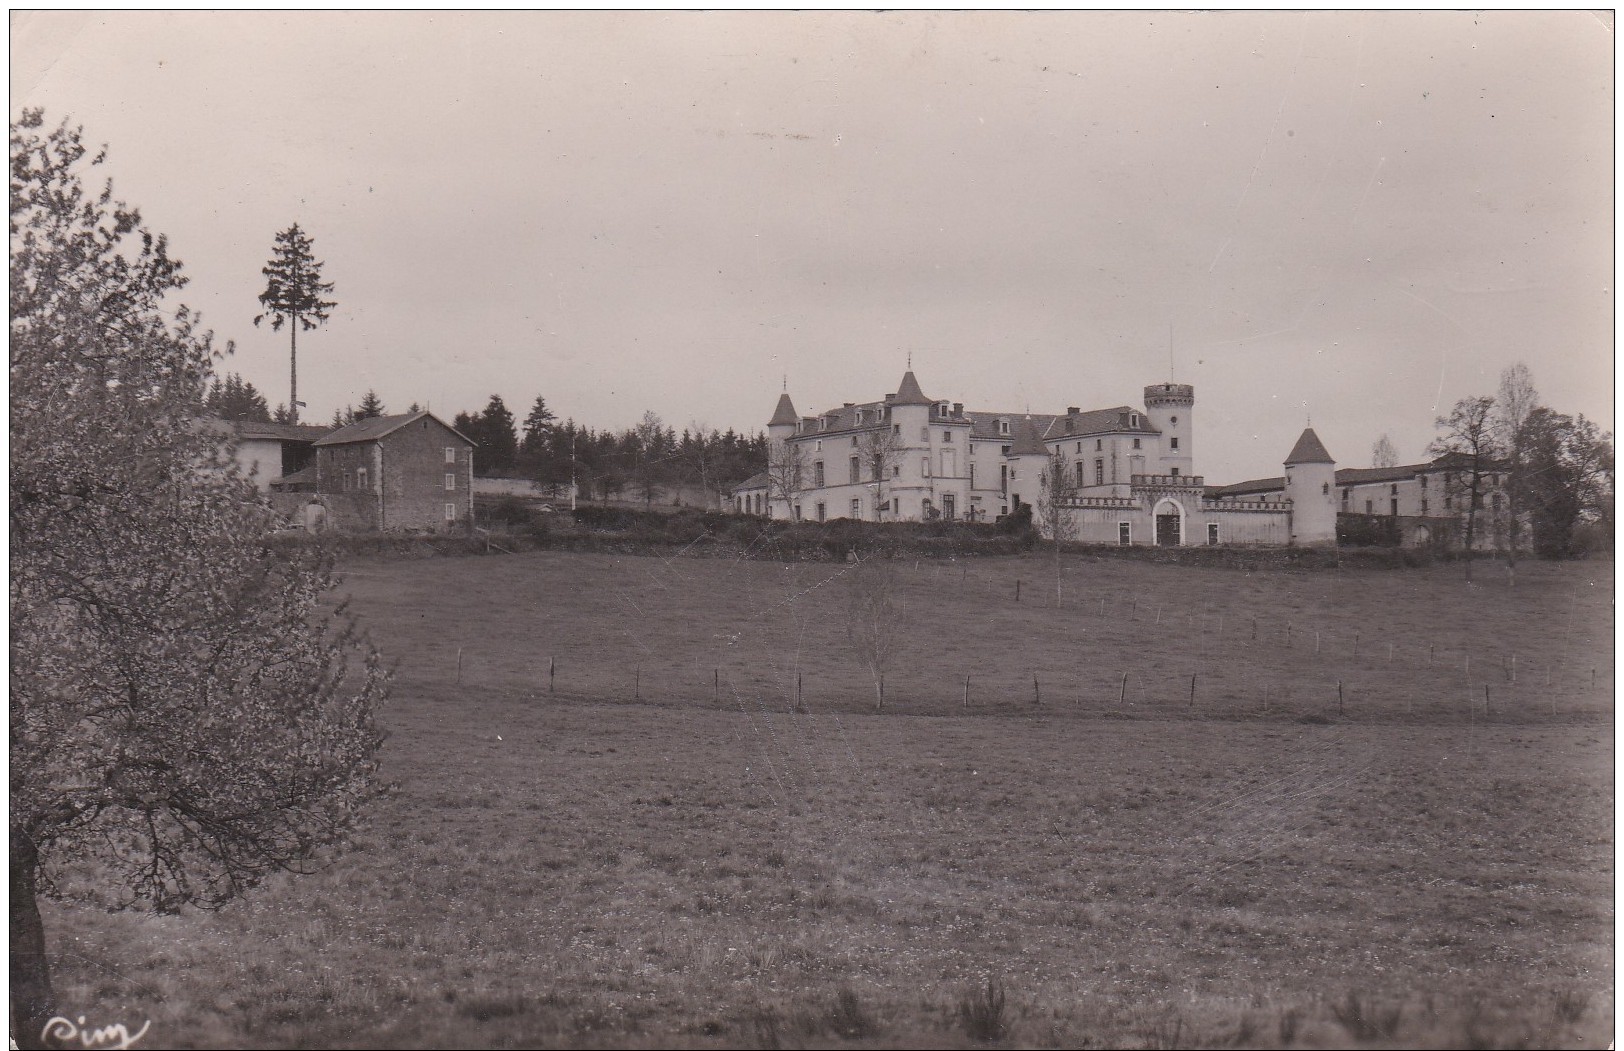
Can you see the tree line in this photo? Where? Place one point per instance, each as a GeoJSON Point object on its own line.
{"type": "Point", "coordinates": [1556, 470]}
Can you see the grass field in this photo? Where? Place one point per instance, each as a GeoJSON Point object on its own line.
{"type": "Point", "coordinates": [663, 849]}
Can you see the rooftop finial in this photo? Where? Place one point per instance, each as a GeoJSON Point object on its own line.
{"type": "Point", "coordinates": [910, 360]}
{"type": "Point", "coordinates": [786, 383]}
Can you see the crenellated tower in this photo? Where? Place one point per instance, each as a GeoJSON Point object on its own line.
{"type": "Point", "coordinates": [1170, 407]}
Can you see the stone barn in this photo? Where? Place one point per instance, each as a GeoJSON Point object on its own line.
{"type": "Point", "coordinates": [412, 472]}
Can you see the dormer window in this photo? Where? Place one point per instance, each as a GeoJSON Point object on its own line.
{"type": "Point", "coordinates": [859, 417]}
{"type": "Point", "coordinates": [823, 423]}
{"type": "Point", "coordinates": [944, 409]}
{"type": "Point", "coordinates": [1133, 419]}
{"type": "Point", "coordinates": [1003, 426]}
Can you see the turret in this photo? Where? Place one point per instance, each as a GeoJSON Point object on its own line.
{"type": "Point", "coordinates": [1028, 460]}
{"type": "Point", "coordinates": [909, 413]}
{"type": "Point", "coordinates": [1311, 491]}
{"type": "Point", "coordinates": [1170, 407]}
{"type": "Point", "coordinates": [782, 425]}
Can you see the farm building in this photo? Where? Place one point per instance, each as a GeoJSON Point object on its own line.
{"type": "Point", "coordinates": [386, 473]}
{"type": "Point", "coordinates": [265, 453]}
{"type": "Point", "coordinates": [1419, 502]}
{"type": "Point", "coordinates": [1129, 471]}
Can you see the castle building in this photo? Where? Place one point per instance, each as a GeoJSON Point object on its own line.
{"type": "Point", "coordinates": [1121, 475]}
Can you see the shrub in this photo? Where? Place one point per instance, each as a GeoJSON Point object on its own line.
{"type": "Point", "coordinates": [981, 1013]}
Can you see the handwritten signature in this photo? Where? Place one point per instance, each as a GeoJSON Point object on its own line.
{"type": "Point", "coordinates": [66, 1033]}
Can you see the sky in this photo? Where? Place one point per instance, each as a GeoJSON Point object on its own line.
{"type": "Point", "coordinates": [1349, 219]}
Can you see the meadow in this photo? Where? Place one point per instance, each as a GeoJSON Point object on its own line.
{"type": "Point", "coordinates": [639, 801]}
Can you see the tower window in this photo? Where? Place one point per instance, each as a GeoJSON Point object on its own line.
{"type": "Point", "coordinates": [1175, 443]}
{"type": "Point", "coordinates": [1174, 420]}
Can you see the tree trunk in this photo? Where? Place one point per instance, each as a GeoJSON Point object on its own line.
{"type": "Point", "coordinates": [32, 1003]}
{"type": "Point", "coordinates": [293, 369]}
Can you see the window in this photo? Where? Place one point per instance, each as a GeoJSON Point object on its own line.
{"type": "Point", "coordinates": [947, 436]}
{"type": "Point", "coordinates": [856, 469]}
{"type": "Point", "coordinates": [1125, 533]}
{"type": "Point", "coordinates": [1133, 419]}
{"type": "Point", "coordinates": [1395, 490]}
{"type": "Point", "coordinates": [450, 481]}
{"type": "Point", "coordinates": [1005, 450]}
{"type": "Point", "coordinates": [1003, 478]}
{"type": "Point", "coordinates": [924, 467]}
{"type": "Point", "coordinates": [1099, 472]}
{"type": "Point", "coordinates": [1175, 442]}
{"type": "Point", "coordinates": [854, 441]}
{"type": "Point", "coordinates": [856, 507]}
{"type": "Point", "coordinates": [820, 512]}
{"type": "Point", "coordinates": [797, 512]}
{"type": "Point", "coordinates": [1325, 487]}
{"type": "Point", "coordinates": [896, 470]}
{"type": "Point", "coordinates": [1079, 446]}
{"type": "Point", "coordinates": [1136, 443]}
{"type": "Point", "coordinates": [896, 429]}
{"type": "Point", "coordinates": [450, 512]}
{"type": "Point", "coordinates": [817, 474]}
{"type": "Point", "coordinates": [1423, 481]}
{"type": "Point", "coordinates": [1449, 502]}
{"type": "Point", "coordinates": [924, 433]}
{"type": "Point", "coordinates": [1082, 477]}
{"type": "Point", "coordinates": [1496, 499]}
{"type": "Point", "coordinates": [1175, 472]}
{"type": "Point", "coordinates": [1099, 444]}
{"type": "Point", "coordinates": [1212, 533]}
{"type": "Point", "coordinates": [817, 446]}
{"type": "Point", "coordinates": [859, 423]}
{"type": "Point", "coordinates": [1370, 508]}
{"type": "Point", "coordinates": [361, 478]}
{"type": "Point", "coordinates": [823, 423]}
{"type": "Point", "coordinates": [450, 454]}
{"type": "Point", "coordinates": [972, 474]}
{"type": "Point", "coordinates": [1423, 507]}
{"type": "Point", "coordinates": [1003, 428]}
{"type": "Point", "coordinates": [1174, 420]}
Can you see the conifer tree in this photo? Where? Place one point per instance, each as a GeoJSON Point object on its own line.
{"type": "Point", "coordinates": [293, 296]}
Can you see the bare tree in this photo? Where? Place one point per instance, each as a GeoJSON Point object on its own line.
{"type": "Point", "coordinates": [1382, 453]}
{"type": "Point", "coordinates": [875, 617]}
{"type": "Point", "coordinates": [881, 450]}
{"type": "Point", "coordinates": [1056, 507]}
{"type": "Point", "coordinates": [785, 474]}
{"type": "Point", "coordinates": [1468, 441]}
{"type": "Point", "coordinates": [1512, 411]}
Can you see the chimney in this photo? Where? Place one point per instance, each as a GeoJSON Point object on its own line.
{"type": "Point", "coordinates": [958, 408]}
{"type": "Point", "coordinates": [1072, 410]}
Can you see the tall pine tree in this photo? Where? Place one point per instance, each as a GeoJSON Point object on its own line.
{"type": "Point", "coordinates": [293, 296]}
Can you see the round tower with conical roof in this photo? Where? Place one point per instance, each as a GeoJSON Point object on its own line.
{"type": "Point", "coordinates": [1311, 491]}
{"type": "Point", "coordinates": [908, 411]}
{"type": "Point", "coordinates": [1170, 407]}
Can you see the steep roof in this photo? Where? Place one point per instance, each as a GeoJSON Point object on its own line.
{"type": "Point", "coordinates": [379, 426]}
{"type": "Point", "coordinates": [785, 413]}
{"type": "Point", "coordinates": [1028, 435]}
{"type": "Point", "coordinates": [1309, 449]}
{"type": "Point", "coordinates": [908, 392]}
{"type": "Point", "coordinates": [755, 481]}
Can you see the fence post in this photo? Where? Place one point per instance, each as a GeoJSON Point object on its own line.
{"type": "Point", "coordinates": [1485, 698]}
{"type": "Point", "coordinates": [637, 684]}
{"type": "Point", "coordinates": [1017, 589]}
{"type": "Point", "coordinates": [716, 687]}
{"type": "Point", "coordinates": [797, 690]}
{"type": "Point", "coordinates": [552, 672]}
{"type": "Point", "coordinates": [1037, 698]}
{"type": "Point", "coordinates": [967, 691]}
{"type": "Point", "coordinates": [1192, 689]}
{"type": "Point", "coordinates": [1356, 645]}
{"type": "Point", "coordinates": [1339, 708]}
{"type": "Point", "coordinates": [459, 665]}
{"type": "Point", "coordinates": [1122, 697]}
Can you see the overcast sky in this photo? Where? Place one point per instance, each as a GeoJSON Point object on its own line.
{"type": "Point", "coordinates": [1355, 217]}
